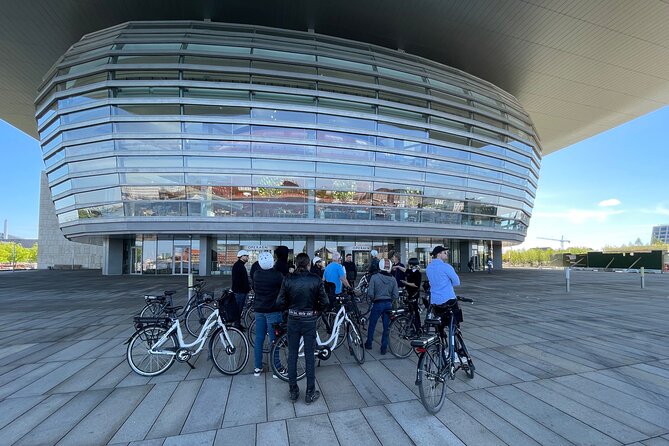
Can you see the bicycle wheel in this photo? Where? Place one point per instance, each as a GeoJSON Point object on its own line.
{"type": "Point", "coordinates": [229, 358]}
{"type": "Point", "coordinates": [196, 317]}
{"type": "Point", "coordinates": [400, 336]}
{"type": "Point", "coordinates": [281, 369]}
{"type": "Point", "coordinates": [431, 384]}
{"type": "Point", "coordinates": [152, 309]}
{"type": "Point", "coordinates": [248, 316]}
{"type": "Point", "coordinates": [355, 343]}
{"type": "Point", "coordinates": [364, 304]}
{"type": "Point", "coordinates": [465, 360]}
{"type": "Point", "coordinates": [148, 364]}
{"type": "Point", "coordinates": [252, 337]}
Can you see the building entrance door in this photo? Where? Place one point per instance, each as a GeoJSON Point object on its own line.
{"type": "Point", "coordinates": [136, 260]}
{"type": "Point", "coordinates": [361, 260]}
{"type": "Point", "coordinates": [181, 264]}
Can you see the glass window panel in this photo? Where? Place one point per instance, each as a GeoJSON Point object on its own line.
{"type": "Point", "coordinates": [346, 138]}
{"type": "Point", "coordinates": [106, 147]}
{"type": "Point", "coordinates": [449, 109]}
{"type": "Point", "coordinates": [218, 162]}
{"type": "Point", "coordinates": [281, 194]}
{"type": "Point", "coordinates": [344, 121]}
{"type": "Point", "coordinates": [64, 202]}
{"type": "Point", "coordinates": [62, 187]}
{"type": "Point", "coordinates": [53, 159]}
{"type": "Point", "coordinates": [168, 145]}
{"type": "Point", "coordinates": [395, 173]}
{"type": "Point", "coordinates": [345, 63]}
{"type": "Point", "coordinates": [95, 181]}
{"type": "Point", "coordinates": [108, 210]}
{"type": "Point", "coordinates": [520, 145]}
{"type": "Point", "coordinates": [148, 59]}
{"type": "Point", "coordinates": [152, 178]}
{"type": "Point", "coordinates": [95, 164]}
{"type": "Point", "coordinates": [343, 185]}
{"type": "Point", "coordinates": [283, 115]}
{"type": "Point", "coordinates": [223, 49]}
{"type": "Point", "coordinates": [143, 92]}
{"type": "Point", "coordinates": [517, 156]}
{"type": "Point", "coordinates": [149, 209]}
{"type": "Point", "coordinates": [215, 93]}
{"type": "Point", "coordinates": [322, 72]}
{"type": "Point", "coordinates": [446, 86]}
{"type": "Point", "coordinates": [153, 193]}
{"type": "Point", "coordinates": [347, 154]}
{"type": "Point", "coordinates": [49, 129]}
{"type": "Point", "coordinates": [488, 134]}
{"type": "Point", "coordinates": [400, 160]}
{"type": "Point", "coordinates": [483, 172]}
{"type": "Point", "coordinates": [98, 196]}
{"type": "Point", "coordinates": [87, 132]}
{"type": "Point", "coordinates": [400, 74]}
{"type": "Point", "coordinates": [263, 131]}
{"type": "Point", "coordinates": [146, 75]}
{"type": "Point", "coordinates": [82, 98]}
{"type": "Point", "coordinates": [67, 217]}
{"type": "Point", "coordinates": [283, 82]}
{"type": "Point", "coordinates": [449, 123]}
{"type": "Point", "coordinates": [290, 68]}
{"type": "Point", "coordinates": [47, 114]}
{"type": "Point", "coordinates": [403, 86]}
{"type": "Point", "coordinates": [444, 179]}
{"type": "Point", "coordinates": [217, 110]}
{"type": "Point", "coordinates": [85, 115]}
{"type": "Point", "coordinates": [403, 114]}
{"type": "Point", "coordinates": [476, 184]}
{"type": "Point", "coordinates": [347, 90]}
{"type": "Point", "coordinates": [86, 80]}
{"type": "Point", "coordinates": [147, 127]}
{"type": "Point", "coordinates": [282, 181]}
{"type": "Point", "coordinates": [449, 97]}
{"type": "Point", "coordinates": [283, 165]}
{"type": "Point", "coordinates": [513, 191]}
{"type": "Point", "coordinates": [487, 160]}
{"type": "Point", "coordinates": [285, 55]}
{"type": "Point", "coordinates": [516, 168]}
{"type": "Point", "coordinates": [444, 193]}
{"type": "Point", "coordinates": [209, 128]}
{"type": "Point", "coordinates": [216, 77]}
{"type": "Point", "coordinates": [394, 143]}
{"type": "Point", "coordinates": [80, 68]}
{"type": "Point", "coordinates": [346, 105]}
{"type": "Point", "coordinates": [283, 149]}
{"type": "Point", "coordinates": [58, 139]}
{"type": "Point", "coordinates": [208, 192]}
{"type": "Point", "coordinates": [216, 61]}
{"type": "Point", "coordinates": [283, 98]}
{"type": "Point", "coordinates": [148, 46]}
{"type": "Point", "coordinates": [146, 109]}
{"type": "Point", "coordinates": [153, 161]}
{"type": "Point", "coordinates": [398, 188]}
{"type": "Point", "coordinates": [345, 169]}
{"type": "Point", "coordinates": [402, 130]}
{"type": "Point", "coordinates": [217, 179]}
{"type": "Point", "coordinates": [488, 121]}
{"type": "Point", "coordinates": [240, 147]}
{"type": "Point", "coordinates": [349, 197]}
{"type": "Point", "coordinates": [448, 137]}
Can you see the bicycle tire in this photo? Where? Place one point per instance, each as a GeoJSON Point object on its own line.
{"type": "Point", "coordinates": [281, 371]}
{"type": "Point", "coordinates": [251, 330]}
{"type": "Point", "coordinates": [399, 332]}
{"type": "Point", "coordinates": [355, 343]}
{"type": "Point", "coordinates": [229, 361]}
{"type": "Point", "coordinates": [431, 384]}
{"type": "Point", "coordinates": [140, 360]}
{"type": "Point", "coordinates": [364, 305]}
{"type": "Point", "coordinates": [194, 321]}
{"type": "Point", "coordinates": [465, 360]}
{"type": "Point", "coordinates": [248, 316]}
{"type": "Point", "coordinates": [152, 309]}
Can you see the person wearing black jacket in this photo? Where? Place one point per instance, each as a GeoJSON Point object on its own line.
{"type": "Point", "coordinates": [240, 283]}
{"type": "Point", "coordinates": [266, 283]}
{"type": "Point", "coordinates": [412, 283]}
{"type": "Point", "coordinates": [281, 265]}
{"type": "Point", "coordinates": [373, 262]}
{"type": "Point", "coordinates": [317, 267]}
{"type": "Point", "coordinates": [351, 270]}
{"type": "Point", "coordinates": [303, 295]}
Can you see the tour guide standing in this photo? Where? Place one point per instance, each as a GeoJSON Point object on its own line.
{"type": "Point", "coordinates": [303, 294]}
{"type": "Point", "coordinates": [442, 277]}
{"type": "Point", "coordinates": [382, 291]}
{"type": "Point", "coordinates": [335, 273]}
{"type": "Point", "coordinates": [266, 283]}
{"type": "Point", "coordinates": [240, 283]}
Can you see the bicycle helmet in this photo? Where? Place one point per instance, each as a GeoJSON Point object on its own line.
{"type": "Point", "coordinates": [266, 260]}
{"type": "Point", "coordinates": [316, 260]}
{"type": "Point", "coordinates": [413, 261]}
{"type": "Point", "coordinates": [242, 252]}
{"type": "Point", "coordinates": [374, 253]}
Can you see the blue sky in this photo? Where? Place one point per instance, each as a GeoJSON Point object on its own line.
{"type": "Point", "coordinates": [609, 189]}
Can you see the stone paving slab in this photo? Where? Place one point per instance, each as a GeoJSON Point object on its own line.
{"type": "Point", "coordinates": [589, 367]}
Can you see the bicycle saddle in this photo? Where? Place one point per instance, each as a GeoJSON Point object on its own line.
{"type": "Point", "coordinates": [169, 293]}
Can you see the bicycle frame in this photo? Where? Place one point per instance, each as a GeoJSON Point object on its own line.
{"type": "Point", "coordinates": [331, 342]}
{"type": "Point", "coordinates": [211, 321]}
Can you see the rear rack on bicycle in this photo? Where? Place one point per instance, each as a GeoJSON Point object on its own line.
{"type": "Point", "coordinates": [140, 321]}
{"type": "Point", "coordinates": [424, 342]}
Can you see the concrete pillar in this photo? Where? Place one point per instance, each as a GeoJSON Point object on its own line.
{"type": "Point", "coordinates": [465, 254]}
{"type": "Point", "coordinates": [310, 245]}
{"type": "Point", "coordinates": [497, 255]}
{"type": "Point", "coordinates": [401, 248]}
{"type": "Point", "coordinates": [207, 244]}
{"type": "Point", "coordinates": [112, 263]}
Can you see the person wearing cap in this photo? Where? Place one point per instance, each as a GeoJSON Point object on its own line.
{"type": "Point", "coordinates": [335, 273]}
{"type": "Point", "coordinates": [240, 283]}
{"type": "Point", "coordinates": [382, 291]}
{"type": "Point", "coordinates": [267, 283]}
{"type": "Point", "coordinates": [442, 277]}
{"type": "Point", "coordinates": [317, 267]}
{"type": "Point", "coordinates": [412, 284]}
{"type": "Point", "coordinates": [373, 262]}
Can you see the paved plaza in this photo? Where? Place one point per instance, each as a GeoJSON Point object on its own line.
{"type": "Point", "coordinates": [590, 367]}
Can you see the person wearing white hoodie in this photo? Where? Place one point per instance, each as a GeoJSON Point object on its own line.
{"type": "Point", "coordinates": [382, 291]}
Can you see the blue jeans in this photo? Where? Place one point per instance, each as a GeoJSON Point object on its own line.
{"type": "Point", "coordinates": [379, 309]}
{"type": "Point", "coordinates": [264, 327]}
{"type": "Point", "coordinates": [241, 300]}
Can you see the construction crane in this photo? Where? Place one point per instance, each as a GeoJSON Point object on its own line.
{"type": "Point", "coordinates": [562, 240]}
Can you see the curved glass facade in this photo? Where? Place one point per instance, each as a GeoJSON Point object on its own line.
{"type": "Point", "coordinates": [203, 128]}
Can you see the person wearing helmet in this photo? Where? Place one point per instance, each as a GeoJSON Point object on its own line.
{"type": "Point", "coordinates": [382, 291]}
{"type": "Point", "coordinates": [373, 262]}
{"type": "Point", "coordinates": [240, 283]}
{"type": "Point", "coordinates": [317, 267]}
{"type": "Point", "coordinates": [412, 284]}
{"type": "Point", "coordinates": [267, 283]}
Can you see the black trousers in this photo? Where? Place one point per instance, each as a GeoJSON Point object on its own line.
{"type": "Point", "coordinates": [302, 328]}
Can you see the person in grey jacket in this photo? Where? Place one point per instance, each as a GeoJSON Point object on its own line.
{"type": "Point", "coordinates": [382, 291]}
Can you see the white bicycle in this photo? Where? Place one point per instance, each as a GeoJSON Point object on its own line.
{"type": "Point", "coordinates": [322, 349]}
{"type": "Point", "coordinates": [158, 343]}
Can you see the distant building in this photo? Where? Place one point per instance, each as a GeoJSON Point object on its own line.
{"type": "Point", "coordinates": [660, 233]}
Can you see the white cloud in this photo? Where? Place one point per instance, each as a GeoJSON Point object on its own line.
{"type": "Point", "coordinates": [609, 202]}
{"type": "Point", "coordinates": [579, 216]}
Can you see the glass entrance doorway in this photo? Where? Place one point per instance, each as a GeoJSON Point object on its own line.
{"type": "Point", "coordinates": [182, 258]}
{"type": "Point", "coordinates": [136, 260]}
{"type": "Point", "coordinates": [361, 260]}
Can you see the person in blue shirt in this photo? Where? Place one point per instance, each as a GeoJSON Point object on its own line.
{"type": "Point", "coordinates": [442, 277]}
{"type": "Point", "coordinates": [335, 273]}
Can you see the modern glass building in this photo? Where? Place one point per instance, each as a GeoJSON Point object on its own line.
{"type": "Point", "coordinates": [174, 144]}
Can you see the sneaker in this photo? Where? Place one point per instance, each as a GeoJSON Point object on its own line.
{"type": "Point", "coordinates": [312, 396]}
{"type": "Point", "coordinates": [256, 372]}
{"type": "Point", "coordinates": [282, 371]}
{"type": "Point", "coordinates": [294, 393]}
{"type": "Point", "coordinates": [368, 346]}
{"type": "Point", "coordinates": [384, 351]}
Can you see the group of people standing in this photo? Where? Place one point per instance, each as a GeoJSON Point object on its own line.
{"type": "Point", "coordinates": [299, 290]}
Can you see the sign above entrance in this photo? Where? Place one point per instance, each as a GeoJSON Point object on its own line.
{"type": "Point", "coordinates": [257, 248]}
{"type": "Point", "coordinates": [360, 248]}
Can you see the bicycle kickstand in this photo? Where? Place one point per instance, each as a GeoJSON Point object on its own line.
{"type": "Point", "coordinates": [191, 365]}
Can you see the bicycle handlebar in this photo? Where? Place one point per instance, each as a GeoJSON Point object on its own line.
{"type": "Point", "coordinates": [465, 299]}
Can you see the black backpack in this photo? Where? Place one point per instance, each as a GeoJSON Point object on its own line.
{"type": "Point", "coordinates": [227, 307]}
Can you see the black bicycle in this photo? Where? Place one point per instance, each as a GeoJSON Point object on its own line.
{"type": "Point", "coordinates": [195, 313]}
{"type": "Point", "coordinates": [403, 328]}
{"type": "Point", "coordinates": [442, 354]}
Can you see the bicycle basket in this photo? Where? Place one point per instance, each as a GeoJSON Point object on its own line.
{"type": "Point", "coordinates": [227, 307]}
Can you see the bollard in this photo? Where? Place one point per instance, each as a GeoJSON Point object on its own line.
{"type": "Point", "coordinates": [190, 285]}
{"type": "Point", "coordinates": [643, 278]}
{"type": "Point", "coordinates": [568, 271]}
